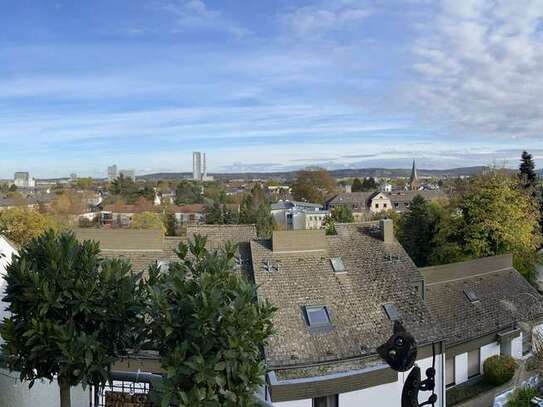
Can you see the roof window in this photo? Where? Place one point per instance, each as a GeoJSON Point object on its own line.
{"type": "Point", "coordinates": [317, 316]}
{"type": "Point", "coordinates": [471, 296]}
{"type": "Point", "coordinates": [392, 312]}
{"type": "Point", "coordinates": [337, 264]}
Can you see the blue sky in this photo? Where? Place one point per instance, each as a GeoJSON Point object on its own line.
{"type": "Point", "coordinates": [268, 85]}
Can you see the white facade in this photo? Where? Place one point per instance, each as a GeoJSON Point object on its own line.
{"type": "Point", "coordinates": [385, 395]}
{"type": "Point", "coordinates": [23, 180]}
{"type": "Point", "coordinates": [197, 166]}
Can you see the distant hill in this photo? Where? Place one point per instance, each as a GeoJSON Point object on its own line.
{"type": "Point", "coordinates": [343, 173]}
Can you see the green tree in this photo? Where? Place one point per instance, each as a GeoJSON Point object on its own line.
{"type": "Point", "coordinates": [342, 214]}
{"type": "Point", "coordinates": [148, 220]}
{"type": "Point", "coordinates": [22, 224]}
{"type": "Point", "coordinates": [12, 188]}
{"type": "Point", "coordinates": [329, 226]}
{"type": "Point", "coordinates": [314, 186]}
{"type": "Point", "coordinates": [369, 184]}
{"type": "Point", "coordinates": [62, 323]}
{"type": "Point", "coordinates": [495, 216]}
{"type": "Point", "coordinates": [528, 176]}
{"type": "Point", "coordinates": [417, 231]}
{"type": "Point", "coordinates": [356, 185]}
{"type": "Point", "coordinates": [264, 222]}
{"type": "Point", "coordinates": [208, 327]}
{"type": "Point", "coordinates": [214, 214]}
{"type": "Point", "coordinates": [170, 224]}
{"type": "Point", "coordinates": [187, 193]}
{"type": "Point", "coordinates": [126, 188]}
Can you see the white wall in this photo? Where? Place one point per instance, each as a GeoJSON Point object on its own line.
{"type": "Point", "coordinates": [385, 395]}
{"type": "Point", "coordinates": [516, 347]}
{"type": "Point", "coordinates": [461, 368]}
{"type": "Point", "coordinates": [13, 393]}
{"type": "Point", "coordinates": [7, 250]}
{"type": "Point", "coordinates": [487, 351]}
{"type": "Point", "coordinates": [296, 403]}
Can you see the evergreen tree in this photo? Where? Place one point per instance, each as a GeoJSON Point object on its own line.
{"type": "Point", "coordinates": [170, 223]}
{"type": "Point", "coordinates": [264, 222]}
{"type": "Point", "coordinates": [528, 176]}
{"type": "Point", "coordinates": [214, 214]}
{"type": "Point", "coordinates": [417, 231]}
{"type": "Point", "coordinates": [342, 214]}
{"type": "Point", "coordinates": [72, 314]}
{"type": "Point", "coordinates": [209, 329]}
{"type": "Point", "coordinates": [356, 185]}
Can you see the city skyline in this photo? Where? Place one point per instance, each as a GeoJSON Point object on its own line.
{"type": "Point", "coordinates": [268, 87]}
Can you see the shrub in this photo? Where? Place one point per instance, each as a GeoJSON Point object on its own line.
{"type": "Point", "coordinates": [521, 397]}
{"type": "Point", "coordinates": [499, 369]}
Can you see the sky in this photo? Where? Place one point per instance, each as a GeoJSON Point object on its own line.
{"type": "Point", "coordinates": [268, 85]}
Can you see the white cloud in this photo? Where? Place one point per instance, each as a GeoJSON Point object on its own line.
{"type": "Point", "coordinates": [479, 66]}
{"type": "Point", "coordinates": [195, 15]}
{"type": "Point", "coordinates": [326, 16]}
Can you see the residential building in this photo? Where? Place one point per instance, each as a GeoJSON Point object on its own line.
{"type": "Point", "coordinates": [485, 308]}
{"type": "Point", "coordinates": [112, 172]}
{"type": "Point", "coordinates": [365, 204]}
{"type": "Point", "coordinates": [292, 215]}
{"type": "Point", "coordinates": [338, 297]}
{"type": "Point", "coordinates": [22, 179]}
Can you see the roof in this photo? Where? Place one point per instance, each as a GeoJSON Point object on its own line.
{"type": "Point", "coordinates": [504, 297]}
{"type": "Point", "coordinates": [143, 247]}
{"type": "Point", "coordinates": [407, 196]}
{"type": "Point", "coordinates": [292, 204]}
{"type": "Point", "coordinates": [292, 280]}
{"type": "Point", "coordinates": [353, 197]}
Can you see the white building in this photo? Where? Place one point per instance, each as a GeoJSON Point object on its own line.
{"type": "Point", "coordinates": [112, 172]}
{"type": "Point", "coordinates": [22, 179]}
{"type": "Point", "coordinates": [294, 215]}
{"type": "Point", "coordinates": [199, 167]}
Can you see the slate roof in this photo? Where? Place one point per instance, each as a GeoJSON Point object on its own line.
{"type": "Point", "coordinates": [505, 297]}
{"type": "Point", "coordinates": [143, 247]}
{"type": "Point", "coordinates": [407, 196]}
{"type": "Point", "coordinates": [353, 198]}
{"type": "Point", "coordinates": [377, 273]}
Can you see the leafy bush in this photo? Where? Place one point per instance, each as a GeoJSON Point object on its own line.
{"type": "Point", "coordinates": [499, 369]}
{"type": "Point", "coordinates": [521, 397]}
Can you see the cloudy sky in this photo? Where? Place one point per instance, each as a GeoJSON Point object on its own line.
{"type": "Point", "coordinates": [268, 85]}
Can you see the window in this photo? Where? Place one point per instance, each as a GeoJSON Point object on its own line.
{"type": "Point", "coordinates": [474, 363]}
{"type": "Point", "coordinates": [326, 401]}
{"type": "Point", "coordinates": [396, 204]}
{"type": "Point", "coordinates": [337, 264]}
{"type": "Point", "coordinates": [471, 296]}
{"type": "Point", "coordinates": [391, 311]}
{"type": "Point", "coordinates": [317, 316]}
{"type": "Point", "coordinates": [376, 206]}
{"type": "Point", "coordinates": [449, 375]}
{"type": "Point", "coordinates": [385, 205]}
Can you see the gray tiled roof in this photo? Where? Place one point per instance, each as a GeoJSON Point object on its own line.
{"type": "Point", "coordinates": [352, 198]}
{"type": "Point", "coordinates": [407, 196]}
{"type": "Point", "coordinates": [505, 297]}
{"type": "Point", "coordinates": [354, 298]}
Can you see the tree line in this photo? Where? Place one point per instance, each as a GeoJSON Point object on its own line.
{"type": "Point", "coordinates": [493, 213]}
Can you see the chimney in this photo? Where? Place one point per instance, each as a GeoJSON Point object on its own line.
{"type": "Point", "coordinates": [387, 230]}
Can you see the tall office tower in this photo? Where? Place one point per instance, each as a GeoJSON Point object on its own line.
{"type": "Point", "coordinates": [204, 176]}
{"type": "Point", "coordinates": [112, 172]}
{"type": "Point", "coordinates": [197, 166]}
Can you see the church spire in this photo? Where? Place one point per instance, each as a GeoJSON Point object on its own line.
{"type": "Point", "coordinates": [413, 178]}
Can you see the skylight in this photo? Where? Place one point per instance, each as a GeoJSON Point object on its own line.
{"type": "Point", "coordinates": [337, 264]}
{"type": "Point", "coordinates": [317, 316]}
{"type": "Point", "coordinates": [392, 312]}
{"type": "Point", "coordinates": [471, 296]}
